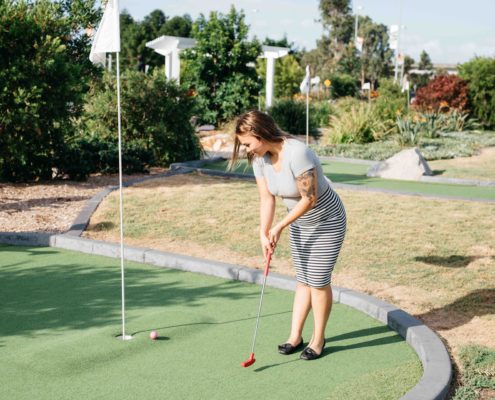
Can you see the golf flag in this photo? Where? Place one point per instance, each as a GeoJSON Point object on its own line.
{"type": "Point", "coordinates": [107, 38]}
{"type": "Point", "coordinates": [304, 87]}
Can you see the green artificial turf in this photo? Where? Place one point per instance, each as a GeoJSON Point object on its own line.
{"type": "Point", "coordinates": [61, 310]}
{"type": "Point", "coordinates": [355, 174]}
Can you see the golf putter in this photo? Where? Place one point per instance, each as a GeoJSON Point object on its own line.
{"type": "Point", "coordinates": [251, 360]}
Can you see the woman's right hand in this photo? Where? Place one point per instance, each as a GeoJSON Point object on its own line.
{"type": "Point", "coordinates": [266, 245]}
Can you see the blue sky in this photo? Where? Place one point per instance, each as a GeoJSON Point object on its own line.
{"type": "Point", "coordinates": [451, 31]}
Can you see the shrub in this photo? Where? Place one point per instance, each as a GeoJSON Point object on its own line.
{"type": "Point", "coordinates": [343, 85]}
{"type": "Point", "coordinates": [155, 118]}
{"type": "Point", "coordinates": [443, 93]}
{"type": "Point", "coordinates": [457, 121]}
{"type": "Point", "coordinates": [322, 111]}
{"type": "Point", "coordinates": [358, 125]}
{"type": "Point", "coordinates": [480, 75]}
{"type": "Point", "coordinates": [290, 115]}
{"type": "Point", "coordinates": [86, 155]}
{"type": "Point", "coordinates": [43, 74]}
{"type": "Point", "coordinates": [409, 131]}
{"type": "Point", "coordinates": [389, 104]}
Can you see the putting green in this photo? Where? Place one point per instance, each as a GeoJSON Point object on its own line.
{"type": "Point", "coordinates": [60, 313]}
{"type": "Point", "coordinates": [355, 174]}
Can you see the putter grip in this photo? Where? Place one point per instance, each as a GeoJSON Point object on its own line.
{"type": "Point", "coordinates": [268, 259]}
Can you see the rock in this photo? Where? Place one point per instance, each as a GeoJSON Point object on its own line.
{"type": "Point", "coordinates": [407, 165]}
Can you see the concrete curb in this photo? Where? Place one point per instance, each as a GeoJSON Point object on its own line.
{"type": "Point", "coordinates": [437, 368]}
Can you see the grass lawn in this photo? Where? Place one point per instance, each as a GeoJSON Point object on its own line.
{"type": "Point", "coordinates": [481, 167]}
{"type": "Point", "coordinates": [60, 312]}
{"type": "Point", "coordinates": [355, 174]}
{"type": "Point", "coordinates": [435, 258]}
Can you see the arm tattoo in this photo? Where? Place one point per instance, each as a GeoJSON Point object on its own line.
{"type": "Point", "coordinates": [306, 183]}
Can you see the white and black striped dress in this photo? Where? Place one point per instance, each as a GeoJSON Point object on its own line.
{"type": "Point", "coordinates": [317, 236]}
{"type": "Point", "coordinates": [316, 239]}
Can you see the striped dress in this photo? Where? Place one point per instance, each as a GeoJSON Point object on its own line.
{"type": "Point", "coordinates": [316, 239]}
{"type": "Point", "coordinates": [317, 236]}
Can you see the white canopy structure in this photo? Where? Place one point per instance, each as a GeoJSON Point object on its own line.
{"type": "Point", "coordinates": [271, 53]}
{"type": "Point", "coordinates": [170, 46]}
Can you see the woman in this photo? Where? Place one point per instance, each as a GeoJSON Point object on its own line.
{"type": "Point", "coordinates": [285, 167]}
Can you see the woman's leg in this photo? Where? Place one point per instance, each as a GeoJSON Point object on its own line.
{"type": "Point", "coordinates": [321, 302]}
{"type": "Point", "coordinates": [300, 311]}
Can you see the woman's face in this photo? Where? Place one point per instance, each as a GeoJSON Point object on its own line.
{"type": "Point", "coordinates": [253, 145]}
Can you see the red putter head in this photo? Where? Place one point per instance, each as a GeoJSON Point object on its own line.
{"type": "Point", "coordinates": [251, 360]}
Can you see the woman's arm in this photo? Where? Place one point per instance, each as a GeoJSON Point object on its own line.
{"type": "Point", "coordinates": [307, 183]}
{"type": "Point", "coordinates": [267, 213]}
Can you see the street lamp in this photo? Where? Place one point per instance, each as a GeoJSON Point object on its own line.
{"type": "Point", "coordinates": [358, 8]}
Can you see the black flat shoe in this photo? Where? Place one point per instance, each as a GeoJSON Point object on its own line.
{"type": "Point", "coordinates": [309, 354]}
{"type": "Point", "coordinates": [287, 348]}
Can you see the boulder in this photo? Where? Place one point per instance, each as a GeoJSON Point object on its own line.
{"type": "Point", "coordinates": [407, 165]}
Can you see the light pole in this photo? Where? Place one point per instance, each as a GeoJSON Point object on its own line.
{"type": "Point", "coordinates": [358, 8]}
{"type": "Point", "coordinates": [398, 42]}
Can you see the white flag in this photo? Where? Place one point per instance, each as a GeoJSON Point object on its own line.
{"type": "Point", "coordinates": [304, 87]}
{"type": "Point", "coordinates": [107, 38]}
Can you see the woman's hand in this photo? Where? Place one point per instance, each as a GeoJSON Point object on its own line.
{"type": "Point", "coordinates": [274, 235]}
{"type": "Point", "coordinates": [266, 245]}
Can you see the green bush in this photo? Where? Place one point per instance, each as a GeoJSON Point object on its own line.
{"type": "Point", "coordinates": [43, 75]}
{"type": "Point", "coordinates": [357, 125]}
{"type": "Point", "coordinates": [290, 116]}
{"type": "Point", "coordinates": [155, 118]}
{"type": "Point", "coordinates": [343, 85]}
{"type": "Point", "coordinates": [389, 104]}
{"type": "Point", "coordinates": [480, 75]}
{"type": "Point", "coordinates": [409, 131]}
{"type": "Point", "coordinates": [322, 112]}
{"type": "Point", "coordinates": [88, 155]}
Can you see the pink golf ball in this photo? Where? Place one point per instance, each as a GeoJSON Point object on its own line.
{"type": "Point", "coordinates": [153, 335]}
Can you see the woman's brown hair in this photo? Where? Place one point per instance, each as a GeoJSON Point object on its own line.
{"type": "Point", "coordinates": [259, 125]}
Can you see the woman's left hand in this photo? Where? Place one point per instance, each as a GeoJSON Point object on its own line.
{"type": "Point", "coordinates": [274, 234]}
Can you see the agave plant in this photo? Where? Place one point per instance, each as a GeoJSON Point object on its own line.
{"type": "Point", "coordinates": [409, 131]}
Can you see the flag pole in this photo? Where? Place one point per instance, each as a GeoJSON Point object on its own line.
{"type": "Point", "coordinates": [124, 336]}
{"type": "Point", "coordinates": [307, 117]}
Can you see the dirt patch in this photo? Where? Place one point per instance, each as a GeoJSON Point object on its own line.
{"type": "Point", "coordinates": [52, 206]}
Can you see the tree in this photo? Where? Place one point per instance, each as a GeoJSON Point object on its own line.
{"type": "Point", "coordinates": [44, 74]}
{"type": "Point", "coordinates": [221, 66]}
{"type": "Point", "coordinates": [288, 75]}
{"type": "Point", "coordinates": [426, 66]}
{"type": "Point", "coordinates": [425, 61]}
{"type": "Point", "coordinates": [376, 54]}
{"type": "Point", "coordinates": [480, 75]}
{"type": "Point", "coordinates": [408, 63]}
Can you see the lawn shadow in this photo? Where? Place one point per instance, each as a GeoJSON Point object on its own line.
{"type": "Point", "coordinates": [53, 294]}
{"type": "Point", "coordinates": [275, 365]}
{"type": "Point", "coordinates": [438, 172]}
{"type": "Point", "coordinates": [453, 261]}
{"type": "Point", "coordinates": [212, 323]}
{"type": "Point", "coordinates": [475, 304]}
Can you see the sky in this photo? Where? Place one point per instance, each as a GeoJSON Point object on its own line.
{"type": "Point", "coordinates": [451, 31]}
